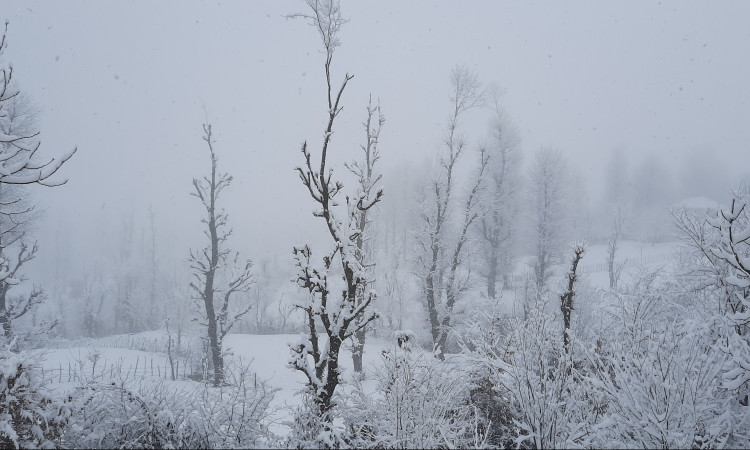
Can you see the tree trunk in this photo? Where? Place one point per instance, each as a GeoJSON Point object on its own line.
{"type": "Point", "coordinates": [358, 348]}
{"type": "Point", "coordinates": [4, 313]}
{"type": "Point", "coordinates": [566, 299]}
{"type": "Point", "coordinates": [213, 334]}
{"type": "Point", "coordinates": [216, 357]}
{"type": "Point", "coordinates": [492, 276]}
{"type": "Point", "coordinates": [332, 379]}
{"type": "Point", "coordinates": [5, 322]}
{"type": "Point", "coordinates": [432, 305]}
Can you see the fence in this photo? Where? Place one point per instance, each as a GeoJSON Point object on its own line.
{"type": "Point", "coordinates": [144, 366]}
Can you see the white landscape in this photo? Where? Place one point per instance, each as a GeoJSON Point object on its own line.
{"type": "Point", "coordinates": [324, 224]}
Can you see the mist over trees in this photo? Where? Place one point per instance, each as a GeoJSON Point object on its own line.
{"type": "Point", "coordinates": [496, 293]}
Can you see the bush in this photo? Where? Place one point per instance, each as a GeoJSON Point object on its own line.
{"type": "Point", "coordinates": [29, 416]}
{"type": "Point", "coordinates": [149, 413]}
{"type": "Point", "coordinates": [421, 402]}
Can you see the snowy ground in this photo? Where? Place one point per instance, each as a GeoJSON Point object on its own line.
{"type": "Point", "coordinates": [632, 255]}
{"type": "Point", "coordinates": [267, 355]}
{"type": "Point", "coordinates": [144, 355]}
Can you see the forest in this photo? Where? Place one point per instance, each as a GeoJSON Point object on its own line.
{"type": "Point", "coordinates": [347, 237]}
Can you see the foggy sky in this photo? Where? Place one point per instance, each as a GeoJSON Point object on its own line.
{"type": "Point", "coordinates": [130, 83]}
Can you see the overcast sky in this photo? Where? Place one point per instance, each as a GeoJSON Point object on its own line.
{"type": "Point", "coordinates": [130, 83]}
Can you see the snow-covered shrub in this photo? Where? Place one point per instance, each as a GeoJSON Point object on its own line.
{"type": "Point", "coordinates": [485, 340]}
{"type": "Point", "coordinates": [662, 377]}
{"type": "Point", "coordinates": [310, 430]}
{"type": "Point", "coordinates": [146, 413]}
{"type": "Point", "coordinates": [555, 406]}
{"type": "Point", "coordinates": [715, 277]}
{"type": "Point", "coordinates": [29, 415]}
{"type": "Point", "coordinates": [421, 402]}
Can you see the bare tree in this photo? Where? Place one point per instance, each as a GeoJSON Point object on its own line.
{"type": "Point", "coordinates": [499, 201]}
{"type": "Point", "coordinates": [547, 197]}
{"type": "Point", "coordinates": [214, 260]}
{"type": "Point", "coordinates": [613, 269]}
{"type": "Point", "coordinates": [435, 255]}
{"type": "Point", "coordinates": [316, 356]}
{"type": "Point", "coordinates": [154, 269]}
{"type": "Point", "coordinates": [367, 179]}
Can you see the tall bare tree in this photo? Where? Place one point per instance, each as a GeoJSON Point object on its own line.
{"type": "Point", "coordinates": [215, 260]}
{"type": "Point", "coordinates": [317, 356]}
{"type": "Point", "coordinates": [367, 179]}
{"type": "Point", "coordinates": [499, 201]}
{"type": "Point", "coordinates": [437, 251]}
{"type": "Point", "coordinates": [547, 189]}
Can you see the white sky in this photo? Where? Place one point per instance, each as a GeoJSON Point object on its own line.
{"type": "Point", "coordinates": [131, 82]}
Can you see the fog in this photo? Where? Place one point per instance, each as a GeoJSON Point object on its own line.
{"type": "Point", "coordinates": [130, 84]}
{"type": "Point", "coordinates": [393, 224]}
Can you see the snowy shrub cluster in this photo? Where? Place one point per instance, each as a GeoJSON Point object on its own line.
{"type": "Point", "coordinates": [421, 402]}
{"type": "Point", "coordinates": [30, 416]}
{"type": "Point", "coordinates": [664, 365]}
{"type": "Point", "coordinates": [542, 391]}
{"type": "Point", "coordinates": [129, 412]}
{"type": "Point", "coordinates": [132, 413]}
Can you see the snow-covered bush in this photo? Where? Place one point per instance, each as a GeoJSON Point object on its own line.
{"type": "Point", "coordinates": [552, 400]}
{"type": "Point", "coordinates": [485, 340]}
{"type": "Point", "coordinates": [662, 377]}
{"type": "Point", "coordinates": [29, 414]}
{"type": "Point", "coordinates": [421, 402]}
{"type": "Point", "coordinates": [146, 413]}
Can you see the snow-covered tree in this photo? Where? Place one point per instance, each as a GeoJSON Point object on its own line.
{"type": "Point", "coordinates": [547, 197]}
{"type": "Point", "coordinates": [367, 179]}
{"type": "Point", "coordinates": [440, 255]}
{"type": "Point", "coordinates": [20, 165]}
{"type": "Point", "coordinates": [218, 273]}
{"type": "Point", "coordinates": [14, 307]}
{"type": "Point", "coordinates": [316, 356]}
{"type": "Point", "coordinates": [499, 200]}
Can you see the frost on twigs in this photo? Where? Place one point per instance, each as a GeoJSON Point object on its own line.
{"type": "Point", "coordinates": [732, 250]}
{"type": "Point", "coordinates": [20, 162]}
{"type": "Point", "coordinates": [330, 318]}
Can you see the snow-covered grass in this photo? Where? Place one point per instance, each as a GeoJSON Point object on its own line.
{"type": "Point", "coordinates": [100, 360]}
